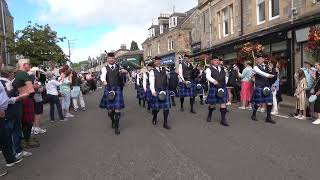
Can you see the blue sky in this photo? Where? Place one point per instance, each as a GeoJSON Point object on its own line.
{"type": "Point", "coordinates": [95, 25]}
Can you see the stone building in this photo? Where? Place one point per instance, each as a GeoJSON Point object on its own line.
{"type": "Point", "coordinates": [222, 26]}
{"type": "Point", "coordinates": [6, 28]}
{"type": "Point", "coordinates": [170, 38]}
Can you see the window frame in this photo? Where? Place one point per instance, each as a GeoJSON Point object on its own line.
{"type": "Point", "coordinates": [258, 11]}
{"type": "Point", "coordinates": [219, 24]}
{"type": "Point", "coordinates": [225, 20]}
{"type": "Point", "coordinates": [270, 11]}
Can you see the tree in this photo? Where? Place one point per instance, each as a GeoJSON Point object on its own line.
{"type": "Point", "coordinates": [134, 46]}
{"type": "Point", "coordinates": [38, 43]}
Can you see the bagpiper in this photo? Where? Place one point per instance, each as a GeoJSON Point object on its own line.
{"type": "Point", "coordinates": [173, 83]}
{"type": "Point", "coordinates": [160, 93]}
{"type": "Point", "coordinates": [201, 83]}
{"type": "Point", "coordinates": [147, 96]}
{"type": "Point", "coordinates": [112, 100]}
{"type": "Point", "coordinates": [187, 86]}
{"type": "Point", "coordinates": [262, 90]}
{"type": "Point", "coordinates": [140, 91]}
{"type": "Point", "coordinates": [217, 94]}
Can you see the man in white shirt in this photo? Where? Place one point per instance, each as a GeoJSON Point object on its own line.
{"type": "Point", "coordinates": [112, 79]}
{"type": "Point", "coordinates": [187, 75]}
{"type": "Point", "coordinates": [262, 90]}
{"type": "Point", "coordinates": [159, 83]}
{"type": "Point", "coordinates": [217, 94]}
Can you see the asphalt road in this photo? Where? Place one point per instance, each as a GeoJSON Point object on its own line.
{"type": "Point", "coordinates": [85, 148]}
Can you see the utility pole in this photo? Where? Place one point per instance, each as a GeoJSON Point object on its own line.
{"type": "Point", "coordinates": [7, 57]}
{"type": "Point", "coordinates": [70, 43]}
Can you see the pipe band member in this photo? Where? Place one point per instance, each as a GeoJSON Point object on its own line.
{"type": "Point", "coordinates": [217, 91]}
{"type": "Point", "coordinates": [139, 85]}
{"type": "Point", "coordinates": [159, 84]}
{"type": "Point", "coordinates": [262, 90]}
{"type": "Point", "coordinates": [147, 96]}
{"type": "Point", "coordinates": [112, 78]}
{"type": "Point", "coordinates": [187, 77]}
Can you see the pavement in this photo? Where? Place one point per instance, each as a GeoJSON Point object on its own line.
{"type": "Point", "coordinates": [86, 148]}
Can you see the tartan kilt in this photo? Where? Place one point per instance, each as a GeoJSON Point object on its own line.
{"type": "Point", "coordinates": [187, 92]}
{"type": "Point", "coordinates": [259, 98]}
{"type": "Point", "coordinates": [117, 103]}
{"type": "Point", "coordinates": [156, 104]}
{"type": "Point", "coordinates": [212, 98]}
{"type": "Point", "coordinates": [28, 113]}
{"type": "Point", "coordinates": [147, 96]}
{"type": "Point", "coordinates": [140, 92]}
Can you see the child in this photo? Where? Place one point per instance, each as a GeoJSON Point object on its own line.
{"type": "Point", "coordinates": [301, 96]}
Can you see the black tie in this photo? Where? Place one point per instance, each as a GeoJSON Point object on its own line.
{"type": "Point", "coordinates": [112, 67]}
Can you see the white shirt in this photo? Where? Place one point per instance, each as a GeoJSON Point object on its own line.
{"type": "Point", "coordinates": [144, 81]}
{"type": "Point", "coordinates": [258, 71]}
{"type": "Point", "coordinates": [137, 79]}
{"type": "Point", "coordinates": [208, 74]}
{"type": "Point", "coordinates": [104, 72]}
{"type": "Point", "coordinates": [180, 71]}
{"type": "Point", "coordinates": [52, 87]}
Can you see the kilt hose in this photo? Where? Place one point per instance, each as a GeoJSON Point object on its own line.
{"type": "Point", "coordinates": [156, 104]}
{"type": "Point", "coordinates": [260, 98]}
{"type": "Point", "coordinates": [187, 92]}
{"type": "Point", "coordinates": [117, 103]}
{"type": "Point", "coordinates": [28, 110]}
{"type": "Point", "coordinates": [212, 97]}
{"type": "Point", "coordinates": [140, 92]}
{"type": "Point", "coordinates": [200, 91]}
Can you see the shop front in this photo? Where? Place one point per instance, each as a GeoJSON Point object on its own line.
{"type": "Point", "coordinates": [168, 59]}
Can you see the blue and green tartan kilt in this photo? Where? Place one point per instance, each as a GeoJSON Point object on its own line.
{"type": "Point", "coordinates": [259, 98]}
{"type": "Point", "coordinates": [117, 103]}
{"type": "Point", "coordinates": [156, 104]}
{"type": "Point", "coordinates": [140, 92]}
{"type": "Point", "coordinates": [147, 96]}
{"type": "Point", "coordinates": [212, 97]}
{"type": "Point", "coordinates": [187, 92]}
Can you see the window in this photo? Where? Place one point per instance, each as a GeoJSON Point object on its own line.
{"type": "Point", "coordinates": [231, 19]}
{"type": "Point", "coordinates": [225, 12]}
{"type": "Point", "coordinates": [161, 29]}
{"type": "Point", "coordinates": [169, 44]}
{"type": "Point", "coordinates": [158, 48]}
{"type": "Point", "coordinates": [149, 51]}
{"type": "Point", "coordinates": [151, 32]}
{"type": "Point", "coordinates": [219, 25]}
{"type": "Point", "coordinates": [274, 8]}
{"type": "Point", "coordinates": [261, 14]}
{"type": "Point", "coordinates": [173, 22]}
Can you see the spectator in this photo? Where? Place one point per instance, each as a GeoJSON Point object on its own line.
{"type": "Point", "coordinates": [233, 83]}
{"type": "Point", "coordinates": [307, 72]}
{"type": "Point", "coordinates": [53, 96]}
{"type": "Point", "coordinates": [317, 92]}
{"type": "Point", "coordinates": [24, 85]}
{"type": "Point", "coordinates": [76, 93]}
{"type": "Point", "coordinates": [275, 87]}
{"type": "Point", "coordinates": [65, 90]}
{"type": "Point", "coordinates": [35, 76]}
{"type": "Point", "coordinates": [300, 94]}
{"type": "Point", "coordinates": [246, 86]}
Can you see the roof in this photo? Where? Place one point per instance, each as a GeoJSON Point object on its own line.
{"type": "Point", "coordinates": [153, 26]}
{"type": "Point", "coordinates": [187, 16]}
{"type": "Point", "coordinates": [179, 14]}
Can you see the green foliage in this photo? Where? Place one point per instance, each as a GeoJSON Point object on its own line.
{"type": "Point", "coordinates": [38, 43]}
{"type": "Point", "coordinates": [134, 46]}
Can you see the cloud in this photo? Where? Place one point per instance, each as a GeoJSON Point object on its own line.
{"type": "Point", "coordinates": [110, 41]}
{"type": "Point", "coordinates": [129, 19]}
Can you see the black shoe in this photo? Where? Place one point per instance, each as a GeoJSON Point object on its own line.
{"type": "Point", "coordinates": [166, 126]}
{"type": "Point", "coordinates": [182, 109]}
{"type": "Point", "coordinates": [254, 118]}
{"type": "Point", "coordinates": [192, 111]}
{"type": "Point", "coordinates": [224, 123]}
{"type": "Point", "coordinates": [154, 122]}
{"type": "Point", "coordinates": [209, 119]}
{"type": "Point", "coordinates": [117, 131]}
{"type": "Point", "coordinates": [269, 120]}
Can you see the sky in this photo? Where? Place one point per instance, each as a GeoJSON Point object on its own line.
{"type": "Point", "coordinates": [93, 26]}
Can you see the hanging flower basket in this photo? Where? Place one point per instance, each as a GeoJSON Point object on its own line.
{"type": "Point", "coordinates": [249, 51]}
{"type": "Point", "coordinates": [313, 45]}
